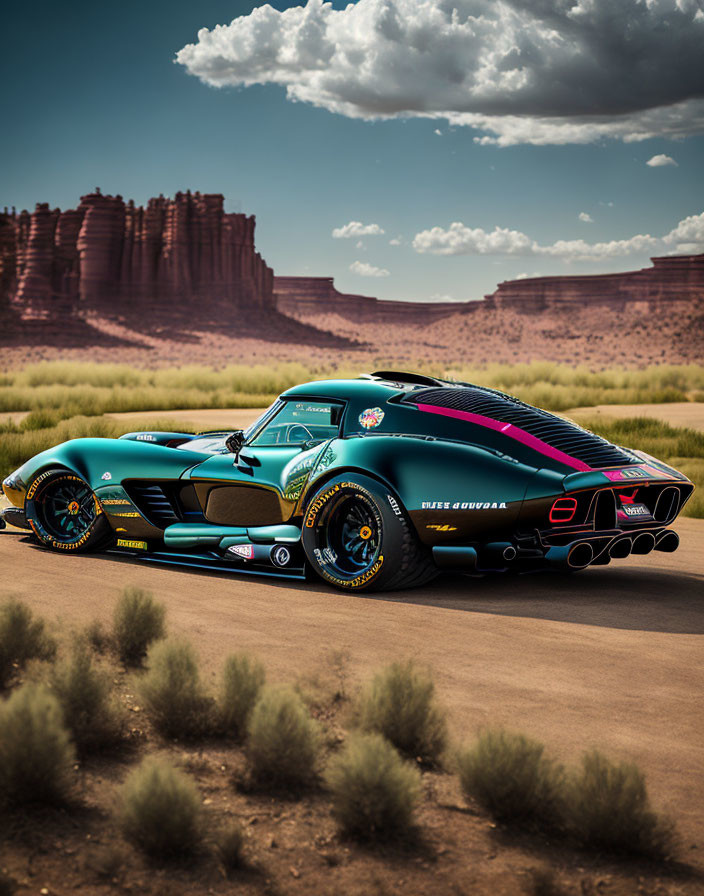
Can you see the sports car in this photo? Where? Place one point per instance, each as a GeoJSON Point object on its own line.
{"type": "Point", "coordinates": [375, 483]}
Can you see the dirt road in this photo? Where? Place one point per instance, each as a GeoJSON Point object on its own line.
{"type": "Point", "coordinates": [611, 658]}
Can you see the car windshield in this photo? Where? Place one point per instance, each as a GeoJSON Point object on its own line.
{"type": "Point", "coordinates": [296, 422]}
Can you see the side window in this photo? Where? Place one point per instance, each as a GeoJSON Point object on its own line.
{"type": "Point", "coordinates": [301, 421]}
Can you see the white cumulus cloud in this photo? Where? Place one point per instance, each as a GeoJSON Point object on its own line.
{"type": "Point", "coordinates": [585, 217]}
{"type": "Point", "coordinates": [458, 239]}
{"type": "Point", "coordinates": [367, 270]}
{"type": "Point", "coordinates": [660, 161]}
{"type": "Point", "coordinates": [518, 71]}
{"type": "Point", "coordinates": [356, 229]}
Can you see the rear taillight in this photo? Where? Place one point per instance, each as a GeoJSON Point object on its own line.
{"type": "Point", "coordinates": [563, 510]}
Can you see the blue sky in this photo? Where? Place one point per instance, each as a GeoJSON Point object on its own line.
{"type": "Point", "coordinates": [391, 113]}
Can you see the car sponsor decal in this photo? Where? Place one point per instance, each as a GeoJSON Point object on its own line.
{"type": "Point", "coordinates": [463, 505]}
{"type": "Point", "coordinates": [132, 544]}
{"type": "Point", "coordinates": [444, 527]}
{"type": "Point", "coordinates": [245, 551]}
{"type": "Point", "coordinates": [145, 437]}
{"type": "Point", "coordinates": [371, 418]}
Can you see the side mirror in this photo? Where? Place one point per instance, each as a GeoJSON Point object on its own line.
{"type": "Point", "coordinates": [234, 442]}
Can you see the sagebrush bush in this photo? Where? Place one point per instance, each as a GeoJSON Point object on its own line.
{"type": "Point", "coordinates": [36, 753]}
{"type": "Point", "coordinates": [160, 810]}
{"type": "Point", "coordinates": [230, 847]}
{"type": "Point", "coordinates": [374, 792]}
{"type": "Point", "coordinates": [22, 638]}
{"type": "Point", "coordinates": [137, 622]}
{"type": "Point", "coordinates": [85, 695]}
{"type": "Point", "coordinates": [508, 775]}
{"type": "Point", "coordinates": [400, 705]}
{"type": "Point", "coordinates": [243, 678]}
{"type": "Point", "coordinates": [283, 741]}
{"type": "Point", "coordinates": [608, 808]}
{"type": "Point", "coordinates": [172, 692]}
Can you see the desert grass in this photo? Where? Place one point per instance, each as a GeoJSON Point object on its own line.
{"type": "Point", "coordinates": [160, 810]}
{"type": "Point", "coordinates": [36, 752]}
{"type": "Point", "coordinates": [374, 792]}
{"type": "Point", "coordinates": [242, 679]}
{"type": "Point", "coordinates": [283, 741]}
{"type": "Point", "coordinates": [230, 843]}
{"type": "Point", "coordinates": [509, 776]}
{"type": "Point", "coordinates": [84, 692]}
{"type": "Point", "coordinates": [138, 620]}
{"type": "Point", "coordinates": [608, 808]}
{"type": "Point", "coordinates": [400, 705]}
{"type": "Point", "coordinates": [23, 637]}
{"type": "Point", "coordinates": [172, 691]}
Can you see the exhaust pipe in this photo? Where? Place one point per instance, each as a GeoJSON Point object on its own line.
{"type": "Point", "coordinates": [577, 555]}
{"type": "Point", "coordinates": [643, 543]}
{"type": "Point", "coordinates": [667, 541]}
{"type": "Point", "coordinates": [620, 548]}
{"type": "Point", "coordinates": [498, 552]}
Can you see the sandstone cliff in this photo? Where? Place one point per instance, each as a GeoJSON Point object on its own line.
{"type": "Point", "coordinates": [115, 258]}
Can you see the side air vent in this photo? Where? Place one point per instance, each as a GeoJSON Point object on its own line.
{"type": "Point", "coordinates": [154, 503]}
{"type": "Point", "coordinates": [560, 434]}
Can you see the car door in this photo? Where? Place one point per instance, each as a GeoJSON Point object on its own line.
{"type": "Point", "coordinates": [254, 488]}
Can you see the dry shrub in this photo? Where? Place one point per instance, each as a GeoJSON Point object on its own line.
{"type": "Point", "coordinates": [608, 808]}
{"type": "Point", "coordinates": [374, 792]}
{"type": "Point", "coordinates": [22, 638]}
{"type": "Point", "coordinates": [230, 847]}
{"type": "Point", "coordinates": [84, 692]}
{"type": "Point", "coordinates": [172, 692]}
{"type": "Point", "coordinates": [36, 753]}
{"type": "Point", "coordinates": [137, 622]}
{"type": "Point", "coordinates": [243, 678]}
{"type": "Point", "coordinates": [400, 705]}
{"type": "Point", "coordinates": [283, 741]}
{"type": "Point", "coordinates": [160, 810]}
{"type": "Point", "coordinates": [508, 775]}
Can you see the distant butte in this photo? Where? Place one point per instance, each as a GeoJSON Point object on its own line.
{"type": "Point", "coordinates": [112, 257]}
{"type": "Point", "coordinates": [145, 284]}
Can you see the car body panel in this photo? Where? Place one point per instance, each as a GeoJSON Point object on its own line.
{"type": "Point", "coordinates": [467, 481]}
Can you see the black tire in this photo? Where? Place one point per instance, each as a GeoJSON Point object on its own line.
{"type": "Point", "coordinates": [64, 513]}
{"type": "Point", "coordinates": [357, 537]}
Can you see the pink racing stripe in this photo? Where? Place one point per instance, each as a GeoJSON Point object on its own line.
{"type": "Point", "coordinates": [513, 432]}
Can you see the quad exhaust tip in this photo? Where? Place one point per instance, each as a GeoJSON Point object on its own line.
{"type": "Point", "coordinates": [667, 541]}
{"type": "Point", "coordinates": [643, 543]}
{"type": "Point", "coordinates": [620, 548]}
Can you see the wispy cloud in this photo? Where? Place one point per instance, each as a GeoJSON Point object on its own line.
{"type": "Point", "coordinates": [585, 217]}
{"type": "Point", "coordinates": [367, 270]}
{"type": "Point", "coordinates": [458, 239]}
{"type": "Point", "coordinates": [519, 71]}
{"type": "Point", "coordinates": [356, 229]}
{"type": "Point", "coordinates": [660, 161]}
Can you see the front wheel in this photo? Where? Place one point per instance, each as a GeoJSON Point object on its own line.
{"type": "Point", "coordinates": [356, 536]}
{"type": "Point", "coordinates": [65, 514]}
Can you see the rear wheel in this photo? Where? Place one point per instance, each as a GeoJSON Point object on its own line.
{"type": "Point", "coordinates": [65, 514]}
{"type": "Point", "coordinates": [357, 537]}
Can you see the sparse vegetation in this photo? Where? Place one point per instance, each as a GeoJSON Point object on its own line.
{"type": "Point", "coordinates": [230, 847]}
{"type": "Point", "coordinates": [400, 705]}
{"type": "Point", "coordinates": [374, 792]}
{"type": "Point", "coordinates": [243, 678]}
{"type": "Point", "coordinates": [283, 741]}
{"type": "Point", "coordinates": [22, 638]}
{"type": "Point", "coordinates": [508, 775]}
{"type": "Point", "coordinates": [84, 693]}
{"type": "Point", "coordinates": [172, 691]}
{"type": "Point", "coordinates": [36, 753]}
{"type": "Point", "coordinates": [137, 622]}
{"type": "Point", "coordinates": [608, 808]}
{"type": "Point", "coordinates": [160, 810]}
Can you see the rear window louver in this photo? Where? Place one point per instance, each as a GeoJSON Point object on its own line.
{"type": "Point", "coordinates": [554, 431]}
